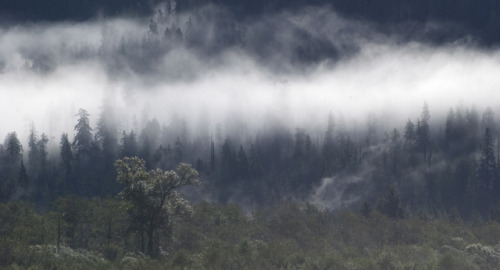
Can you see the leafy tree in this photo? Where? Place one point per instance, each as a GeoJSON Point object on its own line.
{"type": "Point", "coordinates": [70, 210]}
{"type": "Point", "coordinates": [152, 196]}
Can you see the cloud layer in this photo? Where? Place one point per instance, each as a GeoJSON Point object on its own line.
{"type": "Point", "coordinates": [293, 67]}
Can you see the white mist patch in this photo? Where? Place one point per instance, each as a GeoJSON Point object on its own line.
{"type": "Point", "coordinates": [383, 78]}
{"type": "Point", "coordinates": [335, 193]}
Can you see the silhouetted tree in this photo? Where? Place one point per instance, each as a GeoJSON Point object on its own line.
{"type": "Point", "coordinates": [487, 172]}
{"type": "Point", "coordinates": [129, 145]}
{"type": "Point", "coordinates": [242, 161]}
{"type": "Point", "coordinates": [328, 151]}
{"type": "Point", "coordinates": [82, 141]}
{"type": "Point", "coordinates": [67, 163]}
{"type": "Point", "coordinates": [424, 132]}
{"type": "Point", "coordinates": [390, 204]}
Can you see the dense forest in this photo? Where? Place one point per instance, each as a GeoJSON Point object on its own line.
{"type": "Point", "coordinates": [432, 168]}
{"type": "Point", "coordinates": [476, 18]}
{"type": "Point", "coordinates": [249, 135]}
{"type": "Point", "coordinates": [421, 179]}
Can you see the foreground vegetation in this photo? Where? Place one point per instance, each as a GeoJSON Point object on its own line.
{"type": "Point", "coordinates": [94, 233]}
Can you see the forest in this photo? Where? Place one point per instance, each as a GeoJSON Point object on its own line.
{"type": "Point", "coordinates": [419, 195]}
{"type": "Point", "coordinates": [221, 134]}
{"type": "Point", "coordinates": [476, 18]}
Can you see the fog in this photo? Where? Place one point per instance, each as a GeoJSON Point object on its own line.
{"type": "Point", "coordinates": [286, 70]}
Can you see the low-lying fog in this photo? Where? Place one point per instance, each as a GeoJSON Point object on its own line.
{"type": "Point", "coordinates": [306, 65]}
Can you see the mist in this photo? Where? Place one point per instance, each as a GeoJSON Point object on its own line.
{"type": "Point", "coordinates": [288, 69]}
{"type": "Point", "coordinates": [64, 67]}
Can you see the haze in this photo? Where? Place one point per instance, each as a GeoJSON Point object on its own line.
{"type": "Point", "coordinates": [50, 71]}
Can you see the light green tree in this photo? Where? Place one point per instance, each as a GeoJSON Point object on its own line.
{"type": "Point", "coordinates": [152, 198]}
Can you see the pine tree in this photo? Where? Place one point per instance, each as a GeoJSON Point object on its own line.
{"type": "Point", "coordinates": [424, 132]}
{"type": "Point", "coordinates": [329, 146]}
{"type": "Point", "coordinates": [242, 163]}
{"type": "Point", "coordinates": [410, 134]}
{"type": "Point", "coordinates": [129, 145]}
{"type": "Point", "coordinates": [212, 155]}
{"type": "Point", "coordinates": [107, 136]}
{"type": "Point", "coordinates": [390, 204]}
{"type": "Point", "coordinates": [33, 155]}
{"type": "Point", "coordinates": [82, 141]}
{"type": "Point", "coordinates": [66, 162]}
{"type": "Point", "coordinates": [487, 172]}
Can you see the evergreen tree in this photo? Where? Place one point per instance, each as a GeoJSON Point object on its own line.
{"type": "Point", "coordinates": [11, 162]}
{"type": "Point", "coordinates": [42, 176]}
{"type": "Point", "coordinates": [178, 150]}
{"type": "Point", "coordinates": [487, 172]}
{"type": "Point", "coordinates": [424, 133]}
{"type": "Point", "coordinates": [254, 162]}
{"type": "Point", "coordinates": [129, 145]}
{"type": "Point", "coordinates": [23, 177]}
{"type": "Point", "coordinates": [410, 134]}
{"type": "Point", "coordinates": [107, 136]}
{"type": "Point", "coordinates": [396, 153]}
{"type": "Point", "coordinates": [242, 163]}
{"type": "Point", "coordinates": [33, 155]}
{"type": "Point", "coordinates": [228, 164]}
{"type": "Point", "coordinates": [87, 163]}
{"type": "Point", "coordinates": [212, 155]}
{"type": "Point", "coordinates": [488, 121]}
{"type": "Point", "coordinates": [328, 150]}
{"type": "Point", "coordinates": [390, 204]}
{"type": "Point", "coordinates": [66, 163]}
{"type": "Point", "coordinates": [450, 129]}
{"type": "Point", "coordinates": [83, 139]}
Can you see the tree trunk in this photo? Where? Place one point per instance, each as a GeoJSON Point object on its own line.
{"type": "Point", "coordinates": [150, 239]}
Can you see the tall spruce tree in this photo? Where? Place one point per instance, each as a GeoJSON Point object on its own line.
{"type": "Point", "coordinates": [67, 163]}
{"type": "Point", "coordinates": [487, 172]}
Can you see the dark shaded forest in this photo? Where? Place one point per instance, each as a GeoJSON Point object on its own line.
{"type": "Point", "coordinates": [438, 167]}
{"type": "Point", "coordinates": [479, 19]}
{"type": "Point", "coordinates": [425, 197]}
